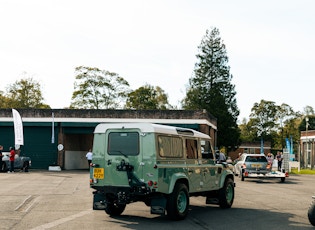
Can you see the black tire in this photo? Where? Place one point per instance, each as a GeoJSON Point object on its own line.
{"type": "Point", "coordinates": [226, 194]}
{"type": "Point", "coordinates": [147, 202]}
{"type": "Point", "coordinates": [311, 213]}
{"type": "Point", "coordinates": [178, 202]}
{"type": "Point", "coordinates": [115, 209]}
{"type": "Point", "coordinates": [26, 166]}
{"type": "Point", "coordinates": [4, 167]}
{"type": "Point", "coordinates": [282, 179]}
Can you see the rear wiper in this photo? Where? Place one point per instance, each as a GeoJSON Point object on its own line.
{"type": "Point", "coordinates": [119, 152]}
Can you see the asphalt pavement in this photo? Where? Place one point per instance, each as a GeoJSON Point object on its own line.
{"type": "Point", "coordinates": [42, 199]}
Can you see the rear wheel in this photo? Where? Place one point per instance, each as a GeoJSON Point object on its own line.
{"type": "Point", "coordinates": [113, 209]}
{"type": "Point", "coordinates": [282, 179]}
{"type": "Point", "coordinates": [226, 194]}
{"type": "Point", "coordinates": [311, 213]}
{"type": "Point", "coordinates": [178, 202]}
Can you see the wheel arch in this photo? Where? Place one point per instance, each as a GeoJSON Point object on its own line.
{"type": "Point", "coordinates": [224, 178]}
{"type": "Point", "coordinates": [178, 178]}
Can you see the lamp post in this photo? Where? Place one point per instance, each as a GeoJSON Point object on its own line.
{"type": "Point", "coordinates": [306, 138]}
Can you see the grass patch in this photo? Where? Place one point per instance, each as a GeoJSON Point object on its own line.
{"type": "Point", "coordinates": [303, 171]}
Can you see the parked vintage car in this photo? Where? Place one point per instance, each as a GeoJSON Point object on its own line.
{"type": "Point", "coordinates": [159, 165]}
{"type": "Point", "coordinates": [256, 166]}
{"type": "Point", "coordinates": [20, 162]}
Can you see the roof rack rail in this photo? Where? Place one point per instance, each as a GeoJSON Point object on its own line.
{"type": "Point", "coordinates": [185, 131]}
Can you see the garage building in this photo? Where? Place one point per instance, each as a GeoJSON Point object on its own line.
{"type": "Point", "coordinates": [47, 129]}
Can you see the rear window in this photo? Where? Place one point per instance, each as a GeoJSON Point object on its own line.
{"type": "Point", "coordinates": [123, 143]}
{"type": "Point", "coordinates": [256, 159]}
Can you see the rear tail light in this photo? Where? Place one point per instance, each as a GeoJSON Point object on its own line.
{"type": "Point", "coordinates": [151, 183]}
{"type": "Point", "coordinates": [93, 181]}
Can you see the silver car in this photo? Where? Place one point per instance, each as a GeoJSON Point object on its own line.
{"type": "Point", "coordinates": [252, 165]}
{"type": "Point", "coordinates": [20, 162]}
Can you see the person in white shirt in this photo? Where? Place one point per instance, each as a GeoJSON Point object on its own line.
{"type": "Point", "coordinates": [89, 156]}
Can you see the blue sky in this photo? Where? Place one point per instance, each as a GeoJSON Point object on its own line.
{"type": "Point", "coordinates": [270, 45]}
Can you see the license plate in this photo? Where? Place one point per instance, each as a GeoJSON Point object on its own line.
{"type": "Point", "coordinates": [98, 173]}
{"type": "Point", "coordinates": [256, 165]}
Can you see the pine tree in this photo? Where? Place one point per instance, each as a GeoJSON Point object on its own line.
{"type": "Point", "coordinates": [210, 88]}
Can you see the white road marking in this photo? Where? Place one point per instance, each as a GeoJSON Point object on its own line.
{"type": "Point", "coordinates": [63, 220]}
{"type": "Point", "coordinates": [26, 204]}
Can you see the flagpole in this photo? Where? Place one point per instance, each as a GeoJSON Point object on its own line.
{"type": "Point", "coordinates": [53, 129]}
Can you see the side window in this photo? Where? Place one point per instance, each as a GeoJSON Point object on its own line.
{"type": "Point", "coordinates": [191, 149]}
{"type": "Point", "coordinates": [170, 146]}
{"type": "Point", "coordinates": [206, 149]}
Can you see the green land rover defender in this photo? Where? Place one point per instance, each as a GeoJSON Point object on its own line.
{"type": "Point", "coordinates": [162, 166]}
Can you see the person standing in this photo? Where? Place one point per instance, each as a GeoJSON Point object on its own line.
{"type": "Point", "coordinates": [89, 156]}
{"type": "Point", "coordinates": [270, 159]}
{"type": "Point", "coordinates": [222, 157]}
{"type": "Point", "coordinates": [11, 159]}
{"type": "Point", "coordinates": [279, 159]}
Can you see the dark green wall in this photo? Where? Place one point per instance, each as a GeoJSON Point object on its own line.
{"type": "Point", "coordinates": [37, 143]}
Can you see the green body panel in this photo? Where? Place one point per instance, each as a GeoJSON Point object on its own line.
{"type": "Point", "coordinates": [143, 163]}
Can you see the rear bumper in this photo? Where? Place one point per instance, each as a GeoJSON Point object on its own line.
{"type": "Point", "coordinates": [273, 174]}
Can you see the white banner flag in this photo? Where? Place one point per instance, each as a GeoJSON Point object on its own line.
{"type": "Point", "coordinates": [18, 128]}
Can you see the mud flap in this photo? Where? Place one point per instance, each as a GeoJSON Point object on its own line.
{"type": "Point", "coordinates": [99, 202]}
{"type": "Point", "coordinates": [158, 205]}
{"type": "Point", "coordinates": [212, 200]}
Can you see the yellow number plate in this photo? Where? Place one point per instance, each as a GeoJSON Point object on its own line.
{"type": "Point", "coordinates": [256, 165]}
{"type": "Point", "coordinates": [98, 173]}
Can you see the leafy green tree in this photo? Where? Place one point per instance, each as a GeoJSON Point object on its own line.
{"type": "Point", "coordinates": [3, 101]}
{"type": "Point", "coordinates": [98, 89]}
{"type": "Point", "coordinates": [291, 130]}
{"type": "Point", "coordinates": [285, 121]}
{"type": "Point", "coordinates": [309, 111]}
{"type": "Point", "coordinates": [247, 134]}
{"type": "Point", "coordinates": [25, 93]}
{"type": "Point", "coordinates": [263, 119]}
{"type": "Point", "coordinates": [210, 88]}
{"type": "Point", "coordinates": [274, 123]}
{"type": "Point", "coordinates": [147, 97]}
